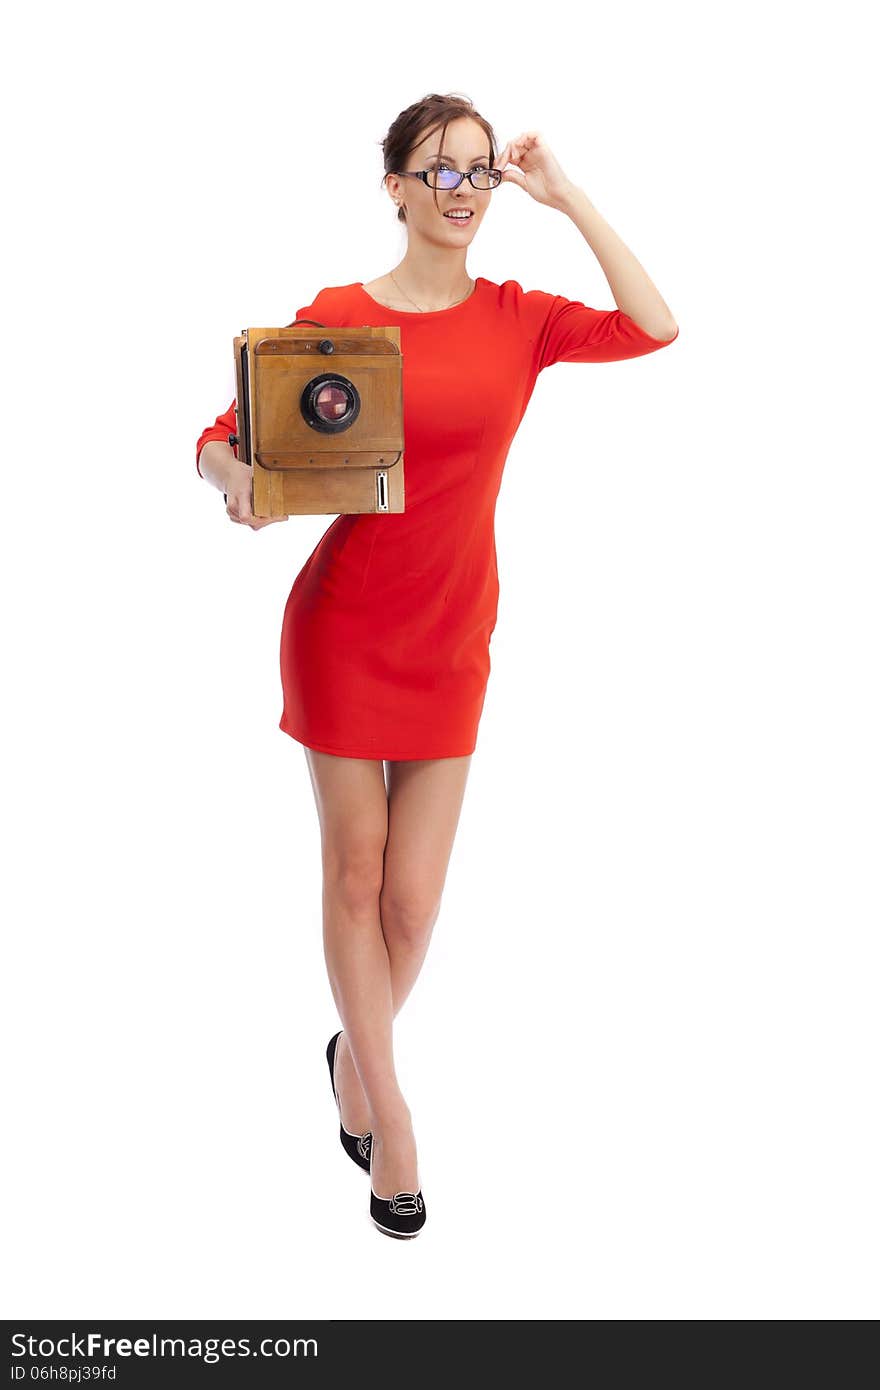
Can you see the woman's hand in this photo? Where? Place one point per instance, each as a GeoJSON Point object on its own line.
{"type": "Point", "coordinates": [238, 498]}
{"type": "Point", "coordinates": [532, 165]}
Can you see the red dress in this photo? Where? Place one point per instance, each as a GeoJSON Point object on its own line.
{"type": "Point", "coordinates": [385, 638]}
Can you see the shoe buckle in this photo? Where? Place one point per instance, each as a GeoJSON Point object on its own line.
{"type": "Point", "coordinates": [406, 1204]}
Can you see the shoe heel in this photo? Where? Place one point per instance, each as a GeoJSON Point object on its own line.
{"type": "Point", "coordinates": [357, 1146]}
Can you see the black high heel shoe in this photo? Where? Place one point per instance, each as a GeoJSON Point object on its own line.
{"type": "Point", "coordinates": [402, 1215]}
{"type": "Point", "coordinates": [357, 1146]}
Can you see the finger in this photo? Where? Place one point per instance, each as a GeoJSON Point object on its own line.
{"type": "Point", "coordinates": [513, 175]}
{"type": "Point", "coordinates": [524, 144]}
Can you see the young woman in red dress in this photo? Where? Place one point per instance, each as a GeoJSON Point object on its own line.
{"type": "Point", "coordinates": [385, 639]}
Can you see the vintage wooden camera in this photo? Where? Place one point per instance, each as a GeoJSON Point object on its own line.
{"type": "Point", "coordinates": [319, 418]}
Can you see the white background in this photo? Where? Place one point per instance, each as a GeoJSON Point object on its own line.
{"type": "Point", "coordinates": [641, 1055]}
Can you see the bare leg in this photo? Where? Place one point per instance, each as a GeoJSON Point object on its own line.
{"type": "Point", "coordinates": [378, 924]}
{"type": "Point", "coordinates": [353, 812]}
{"type": "Point", "coordinates": [424, 805]}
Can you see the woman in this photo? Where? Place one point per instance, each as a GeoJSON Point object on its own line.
{"type": "Point", "coordinates": [385, 640]}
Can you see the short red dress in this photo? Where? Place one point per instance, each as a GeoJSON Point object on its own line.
{"type": "Point", "coordinates": [386, 632]}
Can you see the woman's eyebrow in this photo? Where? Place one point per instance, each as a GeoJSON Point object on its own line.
{"type": "Point", "coordinates": [452, 161]}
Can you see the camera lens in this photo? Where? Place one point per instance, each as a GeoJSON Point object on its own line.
{"type": "Point", "coordinates": [330, 403]}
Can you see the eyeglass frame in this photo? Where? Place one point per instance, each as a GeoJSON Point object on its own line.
{"type": "Point", "coordinates": [423, 175]}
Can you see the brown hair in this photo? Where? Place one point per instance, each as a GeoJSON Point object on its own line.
{"type": "Point", "coordinates": [419, 121]}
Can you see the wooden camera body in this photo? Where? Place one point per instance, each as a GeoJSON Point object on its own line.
{"type": "Point", "coordinates": [319, 418]}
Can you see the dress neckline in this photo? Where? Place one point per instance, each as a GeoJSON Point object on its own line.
{"type": "Point", "coordinates": [418, 313]}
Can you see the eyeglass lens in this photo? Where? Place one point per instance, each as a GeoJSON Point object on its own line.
{"type": "Point", "coordinates": [448, 178]}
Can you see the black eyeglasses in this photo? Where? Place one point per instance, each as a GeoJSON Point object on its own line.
{"type": "Point", "coordinates": [442, 176]}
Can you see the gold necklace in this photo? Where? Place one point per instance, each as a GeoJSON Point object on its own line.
{"type": "Point", "coordinates": [433, 311]}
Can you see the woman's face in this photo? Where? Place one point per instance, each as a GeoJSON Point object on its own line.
{"type": "Point", "coordinates": [465, 147]}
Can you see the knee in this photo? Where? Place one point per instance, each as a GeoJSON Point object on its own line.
{"type": "Point", "coordinates": [408, 912]}
{"type": "Point", "coordinates": [353, 875]}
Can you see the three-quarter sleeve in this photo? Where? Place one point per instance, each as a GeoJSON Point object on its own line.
{"type": "Point", "coordinates": [222, 427]}
{"type": "Point", "coordinates": [227, 423]}
{"type": "Point", "coordinates": [569, 331]}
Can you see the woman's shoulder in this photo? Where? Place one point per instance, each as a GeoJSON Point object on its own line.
{"type": "Point", "coordinates": [509, 294]}
{"type": "Point", "coordinates": [329, 300]}
{"type": "Point", "coordinates": [525, 307]}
